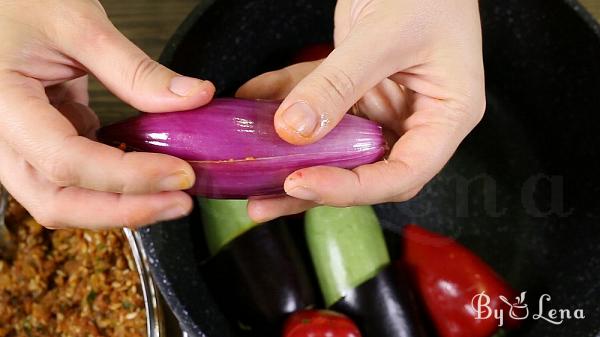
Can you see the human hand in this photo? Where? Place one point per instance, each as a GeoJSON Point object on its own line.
{"type": "Point", "coordinates": [414, 66]}
{"type": "Point", "coordinates": [50, 162]}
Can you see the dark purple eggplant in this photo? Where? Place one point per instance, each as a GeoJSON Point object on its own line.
{"type": "Point", "coordinates": [381, 308]}
{"type": "Point", "coordinates": [259, 278]}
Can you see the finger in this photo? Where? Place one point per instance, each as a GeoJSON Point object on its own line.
{"type": "Point", "coordinates": [46, 139]}
{"type": "Point", "coordinates": [417, 156]}
{"type": "Point", "coordinates": [342, 20]}
{"type": "Point", "coordinates": [321, 99]}
{"type": "Point", "coordinates": [82, 208]}
{"type": "Point", "coordinates": [263, 210]}
{"type": "Point", "coordinates": [70, 91]}
{"type": "Point", "coordinates": [339, 187]}
{"type": "Point", "coordinates": [57, 207]}
{"type": "Point", "coordinates": [386, 104]}
{"type": "Point", "coordinates": [128, 72]}
{"type": "Point", "coordinates": [83, 119]}
{"type": "Point", "coordinates": [276, 84]}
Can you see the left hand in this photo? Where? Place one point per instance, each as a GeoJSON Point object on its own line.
{"type": "Point", "coordinates": [414, 66]}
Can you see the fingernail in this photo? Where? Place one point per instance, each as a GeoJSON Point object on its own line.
{"type": "Point", "coordinates": [301, 118]}
{"type": "Point", "coordinates": [184, 86]}
{"type": "Point", "coordinates": [303, 193]}
{"type": "Point", "coordinates": [174, 212]}
{"type": "Point", "coordinates": [180, 180]}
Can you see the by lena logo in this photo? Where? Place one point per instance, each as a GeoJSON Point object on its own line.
{"type": "Point", "coordinates": [519, 310]}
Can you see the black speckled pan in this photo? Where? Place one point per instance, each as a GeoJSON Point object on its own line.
{"type": "Point", "coordinates": [522, 191]}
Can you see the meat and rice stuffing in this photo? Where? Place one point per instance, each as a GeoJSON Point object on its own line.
{"type": "Point", "coordinates": [71, 283]}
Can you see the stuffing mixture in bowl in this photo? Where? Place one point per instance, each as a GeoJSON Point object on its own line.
{"type": "Point", "coordinates": [73, 283]}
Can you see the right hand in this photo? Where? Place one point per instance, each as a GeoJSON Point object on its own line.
{"type": "Point", "coordinates": [48, 159]}
{"type": "Point", "coordinates": [413, 66]}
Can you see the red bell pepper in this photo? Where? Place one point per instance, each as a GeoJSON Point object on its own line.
{"type": "Point", "coordinates": [447, 277]}
{"type": "Point", "coordinates": [319, 323]}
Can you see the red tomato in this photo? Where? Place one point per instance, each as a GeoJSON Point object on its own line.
{"type": "Point", "coordinates": [313, 52]}
{"type": "Point", "coordinates": [319, 323]}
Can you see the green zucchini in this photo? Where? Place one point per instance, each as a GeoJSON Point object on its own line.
{"type": "Point", "coordinates": [347, 248]}
{"type": "Point", "coordinates": [223, 220]}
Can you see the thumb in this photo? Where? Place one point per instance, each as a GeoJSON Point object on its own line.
{"type": "Point", "coordinates": [321, 99]}
{"type": "Point", "coordinates": [132, 75]}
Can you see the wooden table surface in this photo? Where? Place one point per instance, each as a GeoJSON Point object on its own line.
{"type": "Point", "coordinates": [593, 6]}
{"type": "Point", "coordinates": [150, 23]}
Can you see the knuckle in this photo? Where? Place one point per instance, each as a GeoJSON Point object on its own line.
{"type": "Point", "coordinates": [59, 172]}
{"type": "Point", "coordinates": [96, 36]}
{"type": "Point", "coordinates": [133, 218]}
{"type": "Point", "coordinates": [480, 109]}
{"type": "Point", "coordinates": [470, 108]}
{"type": "Point", "coordinates": [476, 113]}
{"type": "Point", "coordinates": [87, 21]}
{"type": "Point", "coordinates": [336, 83]}
{"type": "Point", "coordinates": [142, 69]}
{"type": "Point", "coordinates": [465, 114]}
{"type": "Point", "coordinates": [128, 180]}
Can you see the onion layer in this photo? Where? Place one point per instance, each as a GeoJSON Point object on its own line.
{"type": "Point", "coordinates": [234, 149]}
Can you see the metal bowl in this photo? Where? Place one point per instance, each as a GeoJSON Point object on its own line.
{"type": "Point", "coordinates": [160, 320]}
{"type": "Point", "coordinates": [155, 321]}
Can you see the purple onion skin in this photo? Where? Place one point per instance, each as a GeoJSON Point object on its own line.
{"type": "Point", "coordinates": [234, 150]}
